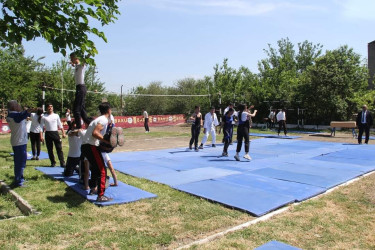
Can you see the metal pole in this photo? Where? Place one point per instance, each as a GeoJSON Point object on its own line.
{"type": "Point", "coordinates": [62, 93]}
{"type": "Point", "coordinates": [44, 98]}
{"type": "Point", "coordinates": [220, 107]}
{"type": "Point", "coordinates": [121, 100]}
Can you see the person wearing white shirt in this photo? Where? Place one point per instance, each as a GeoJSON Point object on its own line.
{"type": "Point", "coordinates": [18, 139]}
{"type": "Point", "coordinates": [281, 119]}
{"type": "Point", "coordinates": [271, 119]}
{"type": "Point", "coordinates": [74, 153]}
{"type": "Point", "coordinates": [35, 130]}
{"type": "Point", "coordinates": [210, 122]}
{"type": "Point", "coordinates": [68, 119]}
{"type": "Point", "coordinates": [79, 108]}
{"type": "Point", "coordinates": [51, 123]}
{"type": "Point", "coordinates": [243, 131]}
{"type": "Point", "coordinates": [145, 117]}
{"type": "Point", "coordinates": [90, 149]}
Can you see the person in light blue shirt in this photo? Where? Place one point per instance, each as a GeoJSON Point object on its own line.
{"type": "Point", "coordinates": [18, 139]}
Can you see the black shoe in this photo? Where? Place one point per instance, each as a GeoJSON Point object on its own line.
{"type": "Point", "coordinates": [359, 142]}
{"type": "Point", "coordinates": [53, 165]}
{"type": "Point", "coordinates": [190, 147]}
{"type": "Point", "coordinates": [196, 149]}
{"type": "Point", "coordinates": [37, 158]}
{"type": "Point", "coordinates": [33, 158]}
{"type": "Point", "coordinates": [213, 145]}
{"type": "Point", "coordinates": [63, 165]}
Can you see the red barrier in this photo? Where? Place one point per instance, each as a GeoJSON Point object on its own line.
{"type": "Point", "coordinates": [128, 121]}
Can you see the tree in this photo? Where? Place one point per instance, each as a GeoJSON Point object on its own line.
{"type": "Point", "coordinates": [330, 87]}
{"type": "Point", "coordinates": [64, 24]}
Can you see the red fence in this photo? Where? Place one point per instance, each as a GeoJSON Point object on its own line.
{"type": "Point", "coordinates": [128, 121]}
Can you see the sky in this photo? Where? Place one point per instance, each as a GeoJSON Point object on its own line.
{"type": "Point", "coordinates": [168, 40]}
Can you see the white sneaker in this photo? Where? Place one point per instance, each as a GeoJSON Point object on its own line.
{"type": "Point", "coordinates": [247, 157]}
{"type": "Point", "coordinates": [237, 157]}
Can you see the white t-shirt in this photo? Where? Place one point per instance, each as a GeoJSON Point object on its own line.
{"type": "Point", "coordinates": [74, 145]}
{"type": "Point", "coordinates": [245, 116]}
{"type": "Point", "coordinates": [79, 74]}
{"type": "Point", "coordinates": [68, 119]}
{"type": "Point", "coordinates": [281, 116]}
{"type": "Point", "coordinates": [51, 122]}
{"type": "Point", "coordinates": [28, 125]}
{"type": "Point", "coordinates": [145, 114]}
{"type": "Point", "coordinates": [88, 138]}
{"type": "Point", "coordinates": [35, 125]}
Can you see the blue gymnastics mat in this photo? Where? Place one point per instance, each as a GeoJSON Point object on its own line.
{"type": "Point", "coordinates": [42, 156]}
{"type": "Point", "coordinates": [121, 194]}
{"type": "Point", "coordinates": [298, 191]}
{"type": "Point", "coordinates": [275, 136]}
{"type": "Point", "coordinates": [276, 245]}
{"type": "Point", "coordinates": [256, 201]}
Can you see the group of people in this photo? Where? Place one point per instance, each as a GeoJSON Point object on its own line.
{"type": "Point", "coordinates": [230, 117]}
{"type": "Point", "coordinates": [88, 148]}
{"type": "Point", "coordinates": [280, 118]}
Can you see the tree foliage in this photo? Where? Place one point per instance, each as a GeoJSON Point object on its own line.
{"type": "Point", "coordinates": [62, 23]}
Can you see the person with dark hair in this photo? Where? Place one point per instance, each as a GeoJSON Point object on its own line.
{"type": "Point", "coordinates": [197, 122]}
{"type": "Point", "coordinates": [35, 131]}
{"type": "Point", "coordinates": [271, 119]}
{"type": "Point", "coordinates": [281, 119]}
{"type": "Point", "coordinates": [68, 120]}
{"type": "Point", "coordinates": [74, 153]}
{"type": "Point", "coordinates": [230, 106]}
{"type": "Point", "coordinates": [79, 108]}
{"type": "Point", "coordinates": [52, 123]}
{"type": "Point", "coordinates": [18, 139]}
{"type": "Point", "coordinates": [227, 124]}
{"type": "Point", "coordinates": [90, 149]}
{"type": "Point", "coordinates": [145, 117]}
{"type": "Point", "coordinates": [243, 132]}
{"type": "Point", "coordinates": [364, 123]}
{"type": "Point", "coordinates": [210, 122]}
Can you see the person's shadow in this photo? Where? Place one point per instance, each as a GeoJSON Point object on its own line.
{"type": "Point", "coordinates": [71, 198]}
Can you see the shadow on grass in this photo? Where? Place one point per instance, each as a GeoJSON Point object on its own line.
{"type": "Point", "coordinates": [71, 198]}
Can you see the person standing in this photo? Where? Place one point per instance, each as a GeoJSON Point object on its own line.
{"type": "Point", "coordinates": [35, 130]}
{"type": "Point", "coordinates": [68, 120]}
{"type": "Point", "coordinates": [90, 149]}
{"type": "Point", "coordinates": [210, 122]}
{"type": "Point", "coordinates": [52, 123]}
{"type": "Point", "coordinates": [145, 117]}
{"type": "Point", "coordinates": [197, 122]}
{"type": "Point", "coordinates": [281, 119]}
{"type": "Point", "coordinates": [271, 119]}
{"type": "Point", "coordinates": [18, 139]}
{"type": "Point", "coordinates": [79, 108]}
{"type": "Point", "coordinates": [243, 132]}
{"type": "Point", "coordinates": [364, 123]}
{"type": "Point", "coordinates": [227, 124]}
{"type": "Point", "coordinates": [230, 106]}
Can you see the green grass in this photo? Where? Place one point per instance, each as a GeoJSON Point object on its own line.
{"type": "Point", "coordinates": [8, 208]}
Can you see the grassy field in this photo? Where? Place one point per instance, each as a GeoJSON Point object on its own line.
{"type": "Point", "coordinates": [342, 219]}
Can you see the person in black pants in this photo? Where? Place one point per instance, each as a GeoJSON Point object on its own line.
{"type": "Point", "coordinates": [51, 122]}
{"type": "Point", "coordinates": [79, 108]}
{"type": "Point", "coordinates": [227, 124]}
{"type": "Point", "coordinates": [281, 119]}
{"type": "Point", "coordinates": [35, 130]}
{"type": "Point", "coordinates": [196, 118]}
{"type": "Point", "coordinates": [243, 132]}
{"type": "Point", "coordinates": [364, 123]}
{"type": "Point", "coordinates": [145, 116]}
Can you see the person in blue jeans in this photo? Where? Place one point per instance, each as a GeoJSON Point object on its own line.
{"type": "Point", "coordinates": [18, 139]}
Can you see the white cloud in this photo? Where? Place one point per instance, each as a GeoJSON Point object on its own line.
{"type": "Point", "coordinates": [226, 7]}
{"type": "Point", "coordinates": [358, 9]}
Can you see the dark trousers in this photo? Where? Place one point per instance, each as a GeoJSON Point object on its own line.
{"type": "Point", "coordinates": [195, 131]}
{"type": "Point", "coordinates": [97, 167]}
{"type": "Point", "coordinates": [35, 143]}
{"type": "Point", "coordinates": [79, 109]}
{"type": "Point", "coordinates": [363, 127]}
{"type": "Point", "coordinates": [228, 133]}
{"type": "Point", "coordinates": [72, 163]}
{"type": "Point", "coordinates": [243, 134]}
{"type": "Point", "coordinates": [282, 123]}
{"type": "Point", "coordinates": [231, 137]}
{"type": "Point", "coordinates": [69, 125]}
{"type": "Point", "coordinates": [146, 124]}
{"type": "Point", "coordinates": [19, 157]}
{"type": "Point", "coordinates": [53, 137]}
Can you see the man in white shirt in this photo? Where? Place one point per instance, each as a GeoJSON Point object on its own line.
{"type": "Point", "coordinates": [281, 119]}
{"type": "Point", "coordinates": [210, 122]}
{"type": "Point", "coordinates": [90, 150]}
{"type": "Point", "coordinates": [79, 108]}
{"type": "Point", "coordinates": [271, 119]}
{"type": "Point", "coordinates": [145, 116]}
{"type": "Point", "coordinates": [18, 139]}
{"type": "Point", "coordinates": [52, 123]}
